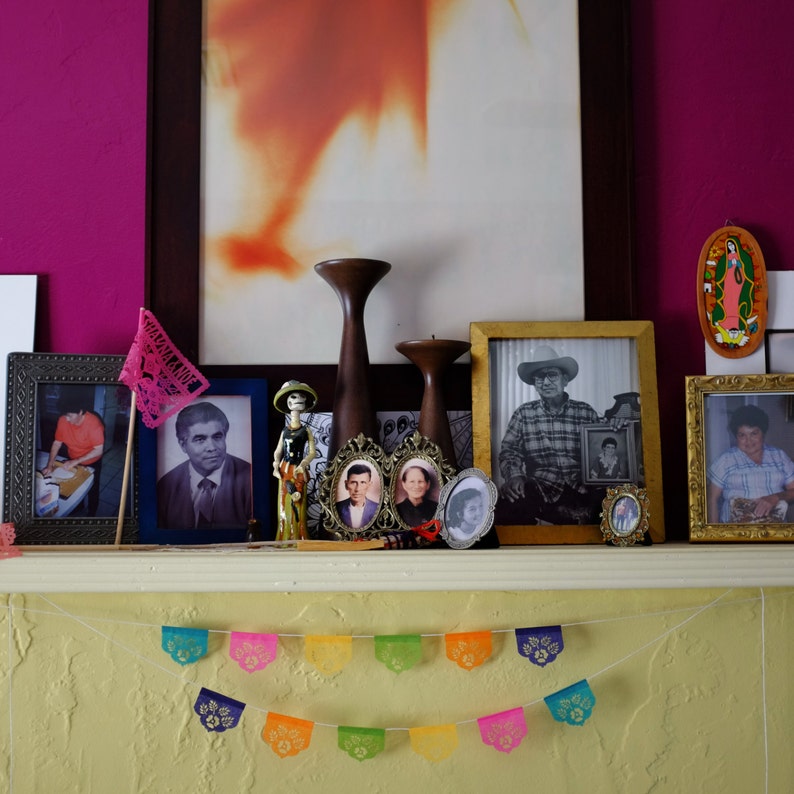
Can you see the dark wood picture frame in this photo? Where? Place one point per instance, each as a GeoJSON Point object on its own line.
{"type": "Point", "coordinates": [173, 197]}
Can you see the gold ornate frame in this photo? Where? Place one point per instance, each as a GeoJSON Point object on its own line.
{"type": "Point", "coordinates": [610, 528]}
{"type": "Point", "coordinates": [764, 390]}
{"type": "Point", "coordinates": [482, 334]}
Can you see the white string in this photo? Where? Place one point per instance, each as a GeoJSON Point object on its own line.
{"type": "Point", "coordinates": [132, 651]}
{"type": "Point", "coordinates": [595, 621]}
{"type": "Point", "coordinates": [10, 695]}
{"type": "Point", "coordinates": [763, 689]}
{"type": "Point", "coordinates": [331, 725]}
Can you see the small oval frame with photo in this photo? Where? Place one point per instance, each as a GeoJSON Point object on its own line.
{"type": "Point", "coordinates": [335, 491]}
{"type": "Point", "coordinates": [466, 508]}
{"type": "Point", "coordinates": [417, 457]}
{"type": "Point", "coordinates": [624, 515]}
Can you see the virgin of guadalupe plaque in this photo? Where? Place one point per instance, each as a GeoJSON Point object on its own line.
{"type": "Point", "coordinates": [732, 292]}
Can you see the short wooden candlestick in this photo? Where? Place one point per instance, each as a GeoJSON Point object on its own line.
{"type": "Point", "coordinates": [432, 357]}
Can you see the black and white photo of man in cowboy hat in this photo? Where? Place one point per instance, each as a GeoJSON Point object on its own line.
{"type": "Point", "coordinates": [540, 454]}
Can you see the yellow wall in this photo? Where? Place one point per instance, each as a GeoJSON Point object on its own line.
{"type": "Point", "coordinates": [684, 714]}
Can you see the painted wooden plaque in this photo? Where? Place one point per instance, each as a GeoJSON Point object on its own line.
{"type": "Point", "coordinates": [732, 292]}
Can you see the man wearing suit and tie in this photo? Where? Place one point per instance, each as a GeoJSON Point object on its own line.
{"type": "Point", "coordinates": [211, 489]}
{"type": "Point", "coordinates": [357, 511]}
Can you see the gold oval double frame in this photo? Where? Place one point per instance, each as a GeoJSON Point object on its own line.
{"type": "Point", "coordinates": [386, 469]}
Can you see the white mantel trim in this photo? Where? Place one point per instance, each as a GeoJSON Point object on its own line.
{"type": "Point", "coordinates": [508, 568]}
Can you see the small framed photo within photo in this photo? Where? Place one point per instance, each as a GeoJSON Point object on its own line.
{"type": "Point", "coordinates": [466, 508]}
{"type": "Point", "coordinates": [740, 443]}
{"type": "Point", "coordinates": [608, 456]}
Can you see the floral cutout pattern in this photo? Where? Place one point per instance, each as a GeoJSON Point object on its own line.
{"type": "Point", "coordinates": [540, 645]}
{"type": "Point", "coordinates": [573, 705]}
{"type": "Point", "coordinates": [253, 651]}
{"type": "Point", "coordinates": [503, 731]}
{"type": "Point", "coordinates": [361, 743]}
{"type": "Point", "coordinates": [398, 651]}
{"type": "Point", "coordinates": [185, 646]}
{"type": "Point", "coordinates": [329, 654]}
{"type": "Point", "coordinates": [468, 649]}
{"type": "Point", "coordinates": [7, 537]}
{"type": "Point", "coordinates": [286, 735]}
{"type": "Point", "coordinates": [217, 712]}
{"type": "Point", "coordinates": [435, 742]}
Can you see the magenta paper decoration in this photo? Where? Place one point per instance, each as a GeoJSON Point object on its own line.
{"type": "Point", "coordinates": [573, 705]}
{"type": "Point", "coordinates": [163, 380]}
{"type": "Point", "coordinates": [217, 712]}
{"type": "Point", "coordinates": [253, 651]}
{"type": "Point", "coordinates": [7, 537]}
{"type": "Point", "coordinates": [505, 730]}
{"type": "Point", "coordinates": [540, 645]}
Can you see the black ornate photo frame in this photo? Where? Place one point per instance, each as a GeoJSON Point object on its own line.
{"type": "Point", "coordinates": [34, 381]}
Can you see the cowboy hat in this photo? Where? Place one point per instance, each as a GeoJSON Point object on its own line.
{"type": "Point", "coordinates": [546, 356]}
{"type": "Point", "coordinates": [290, 387]}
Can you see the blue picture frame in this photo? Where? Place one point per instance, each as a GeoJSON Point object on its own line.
{"type": "Point", "coordinates": [158, 450]}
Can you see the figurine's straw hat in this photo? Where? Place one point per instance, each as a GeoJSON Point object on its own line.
{"type": "Point", "coordinates": [546, 356]}
{"type": "Point", "coordinates": [290, 387]}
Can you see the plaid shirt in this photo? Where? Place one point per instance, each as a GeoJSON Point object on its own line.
{"type": "Point", "coordinates": [546, 446]}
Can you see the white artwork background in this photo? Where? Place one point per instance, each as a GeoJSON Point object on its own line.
{"type": "Point", "coordinates": [486, 227]}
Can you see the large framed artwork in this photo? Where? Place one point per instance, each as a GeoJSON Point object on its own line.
{"type": "Point", "coordinates": [561, 412]}
{"type": "Point", "coordinates": [307, 211]}
{"type": "Point", "coordinates": [66, 431]}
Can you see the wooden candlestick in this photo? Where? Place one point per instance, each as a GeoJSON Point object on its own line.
{"type": "Point", "coordinates": [354, 413]}
{"type": "Point", "coordinates": [432, 357]}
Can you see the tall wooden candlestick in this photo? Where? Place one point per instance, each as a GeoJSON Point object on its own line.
{"type": "Point", "coordinates": [432, 357]}
{"type": "Point", "coordinates": [354, 413]}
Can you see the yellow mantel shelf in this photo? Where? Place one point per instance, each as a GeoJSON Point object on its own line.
{"type": "Point", "coordinates": [669, 565]}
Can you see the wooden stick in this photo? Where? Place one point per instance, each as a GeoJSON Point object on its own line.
{"type": "Point", "coordinates": [299, 545]}
{"type": "Point", "coordinates": [125, 482]}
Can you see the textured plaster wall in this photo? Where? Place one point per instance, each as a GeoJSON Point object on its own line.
{"type": "Point", "coordinates": [114, 713]}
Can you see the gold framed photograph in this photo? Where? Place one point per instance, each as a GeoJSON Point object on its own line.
{"type": "Point", "coordinates": [740, 446]}
{"type": "Point", "coordinates": [625, 515]}
{"type": "Point", "coordinates": [535, 386]}
{"type": "Point", "coordinates": [353, 491]}
{"type": "Point", "coordinates": [418, 473]}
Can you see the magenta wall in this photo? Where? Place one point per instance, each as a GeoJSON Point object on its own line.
{"type": "Point", "coordinates": [714, 121]}
{"type": "Point", "coordinates": [714, 125]}
{"type": "Point", "coordinates": [72, 191]}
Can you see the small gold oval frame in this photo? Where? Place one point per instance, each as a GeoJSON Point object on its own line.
{"type": "Point", "coordinates": [624, 515]}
